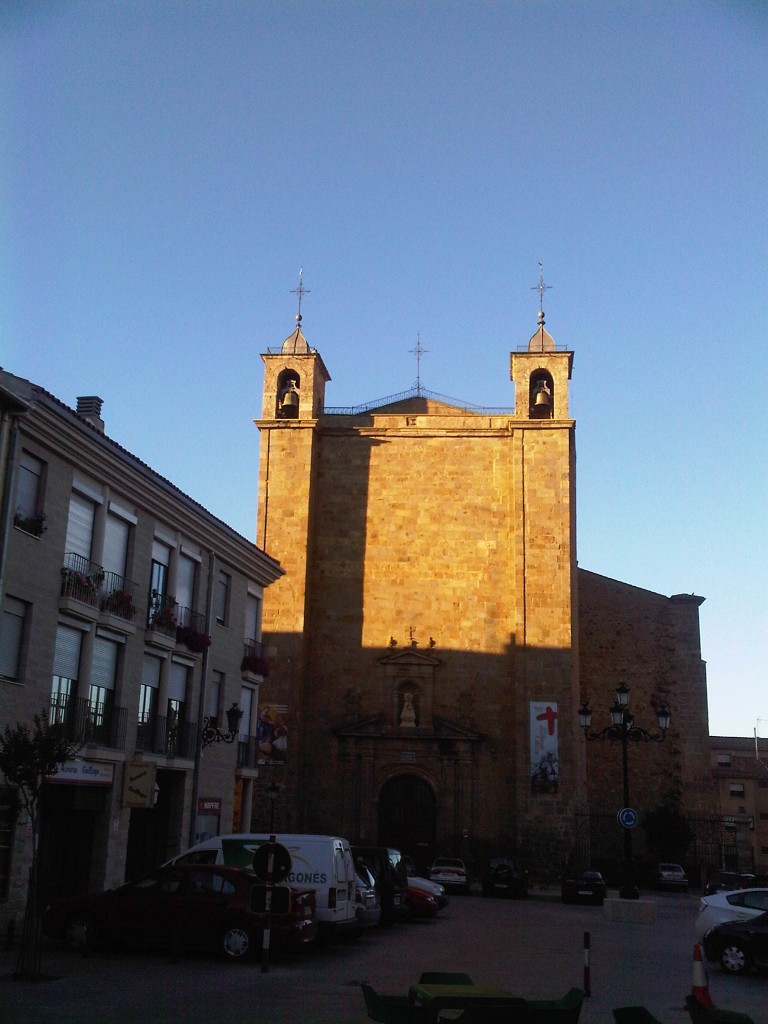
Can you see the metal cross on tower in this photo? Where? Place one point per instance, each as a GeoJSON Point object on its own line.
{"type": "Point", "coordinates": [301, 291]}
{"type": "Point", "coordinates": [418, 352]}
{"type": "Point", "coordinates": [541, 288]}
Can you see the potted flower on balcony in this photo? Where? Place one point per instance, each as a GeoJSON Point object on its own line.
{"type": "Point", "coordinates": [34, 524]}
{"type": "Point", "coordinates": [254, 663]}
{"type": "Point", "coordinates": [163, 619]}
{"type": "Point", "coordinates": [120, 603]}
{"type": "Point", "coordinates": [193, 639]}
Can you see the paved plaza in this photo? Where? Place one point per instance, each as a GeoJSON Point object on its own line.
{"type": "Point", "coordinates": [533, 948]}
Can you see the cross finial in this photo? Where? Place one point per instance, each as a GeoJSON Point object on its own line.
{"type": "Point", "coordinates": [301, 291]}
{"type": "Point", "coordinates": [541, 288]}
{"type": "Point", "coordinates": [418, 352]}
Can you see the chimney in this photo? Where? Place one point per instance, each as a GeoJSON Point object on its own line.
{"type": "Point", "coordinates": [89, 407]}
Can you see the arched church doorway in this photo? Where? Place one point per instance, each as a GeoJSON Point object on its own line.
{"type": "Point", "coordinates": [407, 818]}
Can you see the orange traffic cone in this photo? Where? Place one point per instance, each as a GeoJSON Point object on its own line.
{"type": "Point", "coordinates": [700, 988]}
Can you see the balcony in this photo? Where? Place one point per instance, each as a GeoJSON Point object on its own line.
{"type": "Point", "coordinates": [168, 737]}
{"type": "Point", "coordinates": [118, 597]}
{"type": "Point", "coordinates": [254, 663]}
{"type": "Point", "coordinates": [81, 583]}
{"type": "Point", "coordinates": [190, 630]}
{"type": "Point", "coordinates": [102, 724]}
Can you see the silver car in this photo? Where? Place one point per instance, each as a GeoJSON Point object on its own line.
{"type": "Point", "coordinates": [729, 906]}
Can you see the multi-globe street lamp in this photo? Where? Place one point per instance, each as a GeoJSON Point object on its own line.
{"type": "Point", "coordinates": [623, 730]}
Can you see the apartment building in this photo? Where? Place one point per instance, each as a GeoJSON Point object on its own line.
{"type": "Point", "coordinates": [132, 616]}
{"type": "Point", "coordinates": [740, 769]}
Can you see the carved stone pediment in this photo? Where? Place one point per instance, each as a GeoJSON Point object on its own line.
{"type": "Point", "coordinates": [409, 657]}
{"type": "Point", "coordinates": [375, 726]}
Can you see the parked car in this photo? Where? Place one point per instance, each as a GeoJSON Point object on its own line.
{"type": "Point", "coordinates": [503, 877]}
{"type": "Point", "coordinates": [727, 881]}
{"type": "Point", "coordinates": [415, 879]}
{"type": "Point", "coordinates": [450, 872]}
{"type": "Point", "coordinates": [740, 905]}
{"type": "Point", "coordinates": [185, 907]}
{"type": "Point", "coordinates": [670, 876]}
{"type": "Point", "coordinates": [739, 946]}
{"type": "Point", "coordinates": [423, 903]}
{"type": "Point", "coordinates": [428, 886]}
{"type": "Point", "coordinates": [386, 865]}
{"type": "Point", "coordinates": [367, 902]}
{"type": "Point", "coordinates": [584, 885]}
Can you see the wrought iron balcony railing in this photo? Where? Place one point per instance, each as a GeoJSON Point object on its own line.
{"type": "Point", "coordinates": [171, 738]}
{"type": "Point", "coordinates": [253, 658]}
{"type": "Point", "coordinates": [85, 721]}
{"type": "Point", "coordinates": [118, 596]}
{"type": "Point", "coordinates": [82, 579]}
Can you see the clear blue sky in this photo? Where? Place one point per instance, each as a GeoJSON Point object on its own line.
{"type": "Point", "coordinates": [168, 167]}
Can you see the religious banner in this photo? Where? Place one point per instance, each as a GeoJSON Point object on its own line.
{"type": "Point", "coordinates": [545, 765]}
{"type": "Point", "coordinates": [272, 734]}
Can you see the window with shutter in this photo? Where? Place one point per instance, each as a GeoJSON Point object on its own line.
{"type": "Point", "coordinates": [11, 637]}
{"type": "Point", "coordinates": [80, 526]}
{"type": "Point", "coordinates": [252, 617]}
{"type": "Point", "coordinates": [66, 666]}
{"type": "Point", "coordinates": [115, 555]}
{"type": "Point", "coordinates": [29, 486]}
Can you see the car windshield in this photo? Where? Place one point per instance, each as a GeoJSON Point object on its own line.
{"type": "Point", "coordinates": [447, 863]}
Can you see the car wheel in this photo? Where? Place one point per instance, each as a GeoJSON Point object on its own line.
{"type": "Point", "coordinates": [237, 943]}
{"type": "Point", "coordinates": [734, 958]}
{"type": "Point", "coordinates": [80, 933]}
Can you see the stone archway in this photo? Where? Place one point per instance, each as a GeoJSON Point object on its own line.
{"type": "Point", "coordinates": [408, 817]}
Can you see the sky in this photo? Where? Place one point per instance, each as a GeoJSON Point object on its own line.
{"type": "Point", "coordinates": [168, 168]}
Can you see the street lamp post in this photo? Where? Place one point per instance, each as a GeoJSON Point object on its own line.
{"type": "Point", "coordinates": [623, 730]}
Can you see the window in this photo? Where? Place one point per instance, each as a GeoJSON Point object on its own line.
{"type": "Point", "coordinates": [213, 697]}
{"type": "Point", "coordinates": [222, 598]}
{"type": "Point", "coordinates": [724, 760]}
{"type": "Point", "coordinates": [8, 809]}
{"type": "Point", "coordinates": [177, 696]}
{"type": "Point", "coordinates": [102, 688]}
{"type": "Point", "coordinates": [248, 707]}
{"type": "Point", "coordinates": [66, 665]}
{"type": "Point", "coordinates": [29, 495]}
{"type": "Point", "coordinates": [737, 789]}
{"type": "Point", "coordinates": [115, 555]}
{"type": "Point", "coordinates": [12, 637]}
{"type": "Point", "coordinates": [158, 580]}
{"type": "Point", "coordinates": [186, 575]}
{"type": "Point", "coordinates": [148, 691]}
{"type": "Point", "coordinates": [80, 526]}
{"type": "Point", "coordinates": [252, 617]}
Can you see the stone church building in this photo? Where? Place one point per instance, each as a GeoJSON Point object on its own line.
{"type": "Point", "coordinates": [433, 638]}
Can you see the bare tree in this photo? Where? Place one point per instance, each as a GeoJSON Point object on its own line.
{"type": "Point", "coordinates": [27, 758]}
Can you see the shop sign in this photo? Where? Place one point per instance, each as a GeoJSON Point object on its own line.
{"type": "Point", "coordinates": [84, 773]}
{"type": "Point", "coordinates": [139, 785]}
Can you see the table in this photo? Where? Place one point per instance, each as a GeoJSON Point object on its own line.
{"type": "Point", "coordinates": [468, 997]}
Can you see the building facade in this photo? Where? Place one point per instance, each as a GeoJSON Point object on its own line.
{"type": "Point", "coordinates": [427, 635]}
{"type": "Point", "coordinates": [740, 769]}
{"type": "Point", "coordinates": [132, 616]}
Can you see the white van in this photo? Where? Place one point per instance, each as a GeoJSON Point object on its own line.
{"type": "Point", "coordinates": [322, 863]}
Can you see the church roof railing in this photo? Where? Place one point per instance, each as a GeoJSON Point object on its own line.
{"type": "Point", "coordinates": [415, 392]}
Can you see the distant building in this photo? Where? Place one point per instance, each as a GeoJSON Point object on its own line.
{"type": "Point", "coordinates": [132, 616]}
{"type": "Point", "coordinates": [433, 636]}
{"type": "Point", "coordinates": [740, 769]}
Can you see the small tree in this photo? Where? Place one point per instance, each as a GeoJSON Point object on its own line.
{"type": "Point", "coordinates": [27, 758]}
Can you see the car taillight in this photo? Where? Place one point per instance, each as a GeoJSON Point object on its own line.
{"type": "Point", "coordinates": [331, 899]}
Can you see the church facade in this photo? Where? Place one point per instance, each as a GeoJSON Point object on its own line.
{"type": "Point", "coordinates": [424, 644]}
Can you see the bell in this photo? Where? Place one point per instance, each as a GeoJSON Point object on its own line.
{"type": "Point", "coordinates": [542, 400]}
{"type": "Point", "coordinates": [290, 402]}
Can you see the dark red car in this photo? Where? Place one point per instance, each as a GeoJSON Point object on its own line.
{"type": "Point", "coordinates": [185, 907]}
{"type": "Point", "coordinates": [422, 903]}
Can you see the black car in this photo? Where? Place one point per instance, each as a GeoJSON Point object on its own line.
{"type": "Point", "coordinates": [739, 945]}
{"type": "Point", "coordinates": [503, 877]}
{"type": "Point", "coordinates": [583, 885]}
{"type": "Point", "coordinates": [727, 881]}
{"type": "Point", "coordinates": [386, 865]}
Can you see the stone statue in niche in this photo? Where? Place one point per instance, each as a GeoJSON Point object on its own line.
{"type": "Point", "coordinates": [353, 700]}
{"type": "Point", "coordinates": [465, 707]}
{"type": "Point", "coordinates": [408, 713]}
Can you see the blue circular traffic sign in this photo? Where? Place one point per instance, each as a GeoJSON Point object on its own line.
{"type": "Point", "coordinates": [627, 817]}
